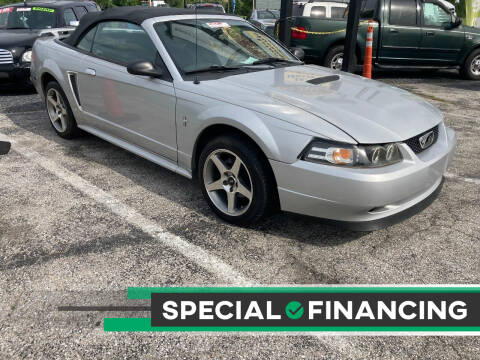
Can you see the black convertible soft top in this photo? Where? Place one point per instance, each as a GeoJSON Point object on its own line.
{"type": "Point", "coordinates": [132, 14]}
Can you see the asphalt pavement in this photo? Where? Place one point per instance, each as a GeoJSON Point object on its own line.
{"type": "Point", "coordinates": [83, 220]}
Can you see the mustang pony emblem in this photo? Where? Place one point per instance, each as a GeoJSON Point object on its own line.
{"type": "Point", "coordinates": [426, 140]}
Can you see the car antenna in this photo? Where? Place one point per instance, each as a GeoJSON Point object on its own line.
{"type": "Point", "coordinates": [195, 80]}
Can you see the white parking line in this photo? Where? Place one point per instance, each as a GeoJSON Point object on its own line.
{"type": "Point", "coordinates": [26, 112]}
{"type": "Point", "coordinates": [194, 253]}
{"type": "Point", "coordinates": [462, 178]}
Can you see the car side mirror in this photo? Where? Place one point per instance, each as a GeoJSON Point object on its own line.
{"type": "Point", "coordinates": [74, 23]}
{"type": "Point", "coordinates": [298, 53]}
{"type": "Point", "coordinates": [4, 147]}
{"type": "Point", "coordinates": [144, 68]}
{"type": "Point", "coordinates": [456, 22]}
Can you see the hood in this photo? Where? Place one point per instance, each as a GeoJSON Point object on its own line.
{"type": "Point", "coordinates": [368, 111]}
{"type": "Point", "coordinates": [20, 37]}
{"type": "Point", "coordinates": [471, 29]}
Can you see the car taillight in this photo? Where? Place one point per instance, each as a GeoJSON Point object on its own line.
{"type": "Point", "coordinates": [299, 34]}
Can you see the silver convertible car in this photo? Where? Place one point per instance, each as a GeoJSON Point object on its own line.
{"type": "Point", "coordinates": [211, 97]}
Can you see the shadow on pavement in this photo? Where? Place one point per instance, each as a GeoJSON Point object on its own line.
{"type": "Point", "coordinates": [7, 89]}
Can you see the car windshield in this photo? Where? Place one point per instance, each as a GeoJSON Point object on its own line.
{"type": "Point", "coordinates": [34, 17]}
{"type": "Point", "coordinates": [221, 44]}
{"type": "Point", "coordinates": [268, 14]}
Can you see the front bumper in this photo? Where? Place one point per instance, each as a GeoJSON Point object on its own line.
{"type": "Point", "coordinates": [361, 198]}
{"type": "Point", "coordinates": [15, 73]}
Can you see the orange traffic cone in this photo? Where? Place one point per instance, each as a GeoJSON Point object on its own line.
{"type": "Point", "coordinates": [367, 62]}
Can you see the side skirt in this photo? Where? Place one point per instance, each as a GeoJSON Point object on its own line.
{"type": "Point", "coordinates": [155, 158]}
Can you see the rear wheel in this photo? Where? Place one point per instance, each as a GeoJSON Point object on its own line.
{"type": "Point", "coordinates": [235, 180]}
{"type": "Point", "coordinates": [334, 58]}
{"type": "Point", "coordinates": [59, 111]}
{"type": "Point", "coordinates": [471, 67]}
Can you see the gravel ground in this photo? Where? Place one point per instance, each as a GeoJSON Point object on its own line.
{"type": "Point", "coordinates": [79, 222]}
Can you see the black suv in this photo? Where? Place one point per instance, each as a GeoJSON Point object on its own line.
{"type": "Point", "coordinates": [21, 24]}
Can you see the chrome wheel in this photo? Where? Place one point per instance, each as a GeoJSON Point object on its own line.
{"type": "Point", "coordinates": [336, 62]}
{"type": "Point", "coordinates": [228, 182]}
{"type": "Point", "coordinates": [57, 111]}
{"type": "Point", "coordinates": [475, 65]}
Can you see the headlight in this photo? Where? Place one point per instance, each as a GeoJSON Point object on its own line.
{"type": "Point", "coordinates": [27, 56]}
{"type": "Point", "coordinates": [332, 153]}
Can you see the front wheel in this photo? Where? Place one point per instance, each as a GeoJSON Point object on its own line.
{"type": "Point", "coordinates": [334, 58]}
{"type": "Point", "coordinates": [235, 180]}
{"type": "Point", "coordinates": [471, 68]}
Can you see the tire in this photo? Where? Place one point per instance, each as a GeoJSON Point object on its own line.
{"type": "Point", "coordinates": [471, 67]}
{"type": "Point", "coordinates": [332, 54]}
{"type": "Point", "coordinates": [218, 170]}
{"type": "Point", "coordinates": [60, 113]}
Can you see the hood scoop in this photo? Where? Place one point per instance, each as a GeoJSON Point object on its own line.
{"type": "Point", "coordinates": [323, 79]}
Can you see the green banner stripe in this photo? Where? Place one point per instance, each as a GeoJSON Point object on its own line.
{"type": "Point", "coordinates": [136, 293]}
{"type": "Point", "coordinates": [143, 324]}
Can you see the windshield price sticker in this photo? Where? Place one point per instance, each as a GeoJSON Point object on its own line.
{"type": "Point", "coordinates": [43, 9]}
{"type": "Point", "coordinates": [6, 10]}
{"type": "Point", "coordinates": [218, 25]}
{"type": "Point", "coordinates": [24, 9]}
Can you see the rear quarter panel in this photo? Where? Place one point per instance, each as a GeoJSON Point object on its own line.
{"type": "Point", "coordinates": [55, 59]}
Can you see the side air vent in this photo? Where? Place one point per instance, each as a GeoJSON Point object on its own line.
{"type": "Point", "coordinates": [73, 83]}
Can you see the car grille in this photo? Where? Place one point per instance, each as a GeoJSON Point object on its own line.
{"type": "Point", "coordinates": [6, 57]}
{"type": "Point", "coordinates": [414, 142]}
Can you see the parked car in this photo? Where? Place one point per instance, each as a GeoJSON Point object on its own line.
{"type": "Point", "coordinates": [265, 20]}
{"type": "Point", "coordinates": [21, 24]}
{"type": "Point", "coordinates": [325, 9]}
{"type": "Point", "coordinates": [408, 33]}
{"type": "Point", "coordinates": [214, 98]}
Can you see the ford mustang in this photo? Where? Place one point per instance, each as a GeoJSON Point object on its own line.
{"type": "Point", "coordinates": [212, 97]}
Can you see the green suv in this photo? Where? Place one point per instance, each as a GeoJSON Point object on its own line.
{"type": "Point", "coordinates": [407, 33]}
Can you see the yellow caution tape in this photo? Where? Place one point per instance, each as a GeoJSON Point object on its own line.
{"type": "Point", "coordinates": [324, 32]}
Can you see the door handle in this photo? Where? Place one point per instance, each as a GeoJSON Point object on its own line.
{"type": "Point", "coordinates": [90, 72]}
{"type": "Point", "coordinates": [393, 31]}
{"type": "Point", "coordinates": [430, 33]}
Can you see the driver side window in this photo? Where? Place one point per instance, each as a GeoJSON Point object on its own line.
{"type": "Point", "coordinates": [435, 15]}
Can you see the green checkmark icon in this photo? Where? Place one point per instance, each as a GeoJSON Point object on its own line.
{"type": "Point", "coordinates": [294, 310]}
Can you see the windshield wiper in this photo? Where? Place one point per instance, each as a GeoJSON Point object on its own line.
{"type": "Point", "coordinates": [273, 61]}
{"type": "Point", "coordinates": [17, 28]}
{"type": "Point", "coordinates": [213, 68]}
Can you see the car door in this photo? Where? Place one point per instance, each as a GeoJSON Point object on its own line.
{"type": "Point", "coordinates": [136, 109]}
{"type": "Point", "coordinates": [441, 42]}
{"type": "Point", "coordinates": [400, 33]}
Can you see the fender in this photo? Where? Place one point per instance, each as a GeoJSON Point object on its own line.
{"type": "Point", "coordinates": [260, 128]}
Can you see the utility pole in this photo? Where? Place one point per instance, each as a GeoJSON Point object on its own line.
{"type": "Point", "coordinates": [351, 38]}
{"type": "Point", "coordinates": [284, 32]}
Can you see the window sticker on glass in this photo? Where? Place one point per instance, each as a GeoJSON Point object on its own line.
{"type": "Point", "coordinates": [43, 9]}
{"type": "Point", "coordinates": [217, 25]}
{"type": "Point", "coordinates": [24, 9]}
{"type": "Point", "coordinates": [6, 10]}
